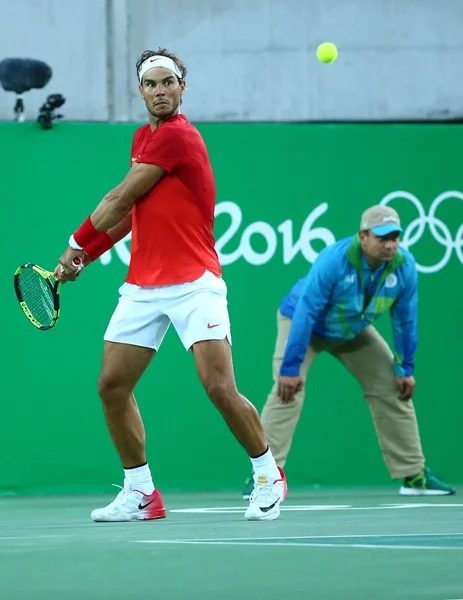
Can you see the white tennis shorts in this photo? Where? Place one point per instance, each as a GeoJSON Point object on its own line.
{"type": "Point", "coordinates": [197, 309]}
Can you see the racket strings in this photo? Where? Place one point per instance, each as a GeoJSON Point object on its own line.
{"type": "Point", "coordinates": [37, 295]}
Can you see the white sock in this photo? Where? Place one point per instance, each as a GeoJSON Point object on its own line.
{"type": "Point", "coordinates": [265, 468]}
{"type": "Point", "coordinates": [140, 480]}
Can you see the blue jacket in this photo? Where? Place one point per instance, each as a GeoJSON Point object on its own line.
{"type": "Point", "coordinates": [331, 302]}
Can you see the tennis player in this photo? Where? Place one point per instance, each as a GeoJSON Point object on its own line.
{"type": "Point", "coordinates": [167, 199]}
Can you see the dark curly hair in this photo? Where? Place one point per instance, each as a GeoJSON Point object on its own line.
{"type": "Point", "coordinates": [161, 52]}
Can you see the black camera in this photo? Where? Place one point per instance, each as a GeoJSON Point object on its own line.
{"type": "Point", "coordinates": [47, 111]}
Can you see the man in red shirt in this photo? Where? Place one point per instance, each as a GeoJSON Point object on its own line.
{"type": "Point", "coordinates": [167, 199]}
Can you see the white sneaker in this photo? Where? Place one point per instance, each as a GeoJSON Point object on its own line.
{"type": "Point", "coordinates": [264, 503]}
{"type": "Point", "coordinates": [131, 505]}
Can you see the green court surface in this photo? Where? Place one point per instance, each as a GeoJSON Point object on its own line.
{"type": "Point", "coordinates": [353, 543]}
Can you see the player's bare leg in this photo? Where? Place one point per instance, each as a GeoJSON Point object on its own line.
{"type": "Point", "coordinates": [215, 369]}
{"type": "Point", "coordinates": [123, 365]}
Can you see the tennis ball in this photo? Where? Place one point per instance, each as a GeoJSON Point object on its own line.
{"type": "Point", "coordinates": [327, 52]}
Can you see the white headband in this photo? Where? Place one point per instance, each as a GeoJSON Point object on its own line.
{"type": "Point", "coordinates": [159, 61]}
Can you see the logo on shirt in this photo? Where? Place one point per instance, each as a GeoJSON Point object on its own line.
{"type": "Point", "coordinates": [349, 278]}
{"type": "Point", "coordinates": [391, 280]}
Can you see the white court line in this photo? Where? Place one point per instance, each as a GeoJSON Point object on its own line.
{"type": "Point", "coordinates": [313, 537]}
{"type": "Point", "coordinates": [293, 544]}
{"type": "Point", "coordinates": [311, 507]}
{"type": "Point", "coordinates": [274, 541]}
{"type": "Point", "coordinates": [242, 508]}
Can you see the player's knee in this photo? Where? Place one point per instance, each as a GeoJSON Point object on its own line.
{"type": "Point", "coordinates": [110, 387]}
{"type": "Point", "coordinates": [221, 392]}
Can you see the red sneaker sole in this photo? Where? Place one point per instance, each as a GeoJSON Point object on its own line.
{"type": "Point", "coordinates": [159, 514]}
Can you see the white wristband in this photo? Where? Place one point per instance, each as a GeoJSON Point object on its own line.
{"type": "Point", "coordinates": [74, 245]}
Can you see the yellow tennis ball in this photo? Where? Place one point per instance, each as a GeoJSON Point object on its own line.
{"type": "Point", "coordinates": [327, 52]}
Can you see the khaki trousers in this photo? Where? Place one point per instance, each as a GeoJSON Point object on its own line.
{"type": "Point", "coordinates": [370, 360]}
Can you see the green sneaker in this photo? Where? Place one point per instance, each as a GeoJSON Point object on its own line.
{"type": "Point", "coordinates": [248, 487]}
{"type": "Point", "coordinates": [425, 484]}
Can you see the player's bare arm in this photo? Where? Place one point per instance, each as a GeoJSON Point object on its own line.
{"type": "Point", "coordinates": [119, 201]}
{"type": "Point", "coordinates": [113, 212]}
{"type": "Point", "coordinates": [119, 231]}
{"type": "Point", "coordinates": [116, 233]}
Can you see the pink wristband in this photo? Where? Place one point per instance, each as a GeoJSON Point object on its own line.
{"type": "Point", "coordinates": [86, 233]}
{"type": "Point", "coordinates": [99, 245]}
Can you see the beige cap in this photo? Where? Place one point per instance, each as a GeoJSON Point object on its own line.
{"type": "Point", "coordinates": [381, 220]}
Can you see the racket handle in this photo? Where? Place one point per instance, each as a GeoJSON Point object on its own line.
{"type": "Point", "coordinates": [78, 263]}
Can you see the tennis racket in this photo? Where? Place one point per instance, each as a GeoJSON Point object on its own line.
{"type": "Point", "coordinates": [38, 292]}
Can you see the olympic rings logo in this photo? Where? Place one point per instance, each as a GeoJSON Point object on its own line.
{"type": "Point", "coordinates": [438, 229]}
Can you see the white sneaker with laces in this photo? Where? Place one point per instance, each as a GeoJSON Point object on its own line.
{"type": "Point", "coordinates": [265, 500]}
{"type": "Point", "coordinates": [131, 505]}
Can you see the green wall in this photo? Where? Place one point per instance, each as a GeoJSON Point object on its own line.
{"type": "Point", "coordinates": [53, 437]}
